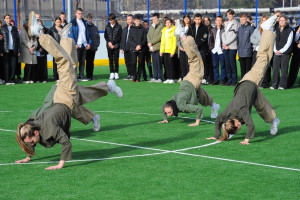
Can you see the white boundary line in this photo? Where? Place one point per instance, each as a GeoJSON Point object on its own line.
{"type": "Point", "coordinates": [86, 160]}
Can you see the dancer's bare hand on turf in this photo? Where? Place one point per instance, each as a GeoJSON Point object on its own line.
{"type": "Point", "coordinates": [211, 138]}
{"type": "Point", "coordinates": [245, 142]}
{"type": "Point", "coordinates": [59, 166]}
{"type": "Point", "coordinates": [164, 121]}
{"type": "Point", "coordinates": [25, 160]}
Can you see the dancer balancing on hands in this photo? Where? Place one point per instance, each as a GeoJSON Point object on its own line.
{"type": "Point", "coordinates": [53, 125]}
{"type": "Point", "coordinates": [191, 93]}
{"type": "Point", "coordinates": [248, 94]}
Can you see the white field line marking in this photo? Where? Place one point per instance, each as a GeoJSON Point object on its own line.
{"type": "Point", "coordinates": [85, 160]}
{"type": "Point", "coordinates": [4, 111]}
{"type": "Point", "coordinates": [6, 130]}
{"type": "Point", "coordinates": [116, 112]}
{"type": "Point", "coordinates": [196, 155]}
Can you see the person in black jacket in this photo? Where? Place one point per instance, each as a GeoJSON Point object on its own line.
{"type": "Point", "coordinates": [112, 35]}
{"type": "Point", "coordinates": [138, 45]}
{"type": "Point", "coordinates": [90, 54]}
{"type": "Point", "coordinates": [54, 30]}
{"type": "Point", "coordinates": [295, 63]}
{"type": "Point", "coordinates": [62, 16]}
{"type": "Point", "coordinates": [11, 49]}
{"type": "Point", "coordinates": [125, 47]}
{"type": "Point", "coordinates": [201, 38]}
{"type": "Point", "coordinates": [283, 49]}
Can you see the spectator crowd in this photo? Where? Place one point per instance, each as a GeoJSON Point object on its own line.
{"type": "Point", "coordinates": [156, 46]}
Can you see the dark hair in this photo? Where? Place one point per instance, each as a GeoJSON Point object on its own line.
{"type": "Point", "coordinates": [230, 11]}
{"type": "Point", "coordinates": [207, 17]}
{"type": "Point", "coordinates": [130, 15]}
{"type": "Point", "coordinates": [197, 15]}
{"type": "Point", "coordinates": [111, 16]}
{"type": "Point", "coordinates": [168, 19]}
{"type": "Point", "coordinates": [62, 13]}
{"type": "Point", "coordinates": [249, 17]}
{"type": "Point", "coordinates": [172, 104]}
{"type": "Point", "coordinates": [57, 18]}
{"type": "Point", "coordinates": [155, 15]}
{"type": "Point", "coordinates": [79, 9]}
{"type": "Point", "coordinates": [89, 15]}
{"type": "Point", "coordinates": [219, 16]}
{"type": "Point", "coordinates": [6, 15]}
{"type": "Point", "coordinates": [186, 16]}
{"type": "Point", "coordinates": [243, 15]}
{"type": "Point", "coordinates": [137, 17]}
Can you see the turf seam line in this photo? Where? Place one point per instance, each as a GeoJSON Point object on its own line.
{"type": "Point", "coordinates": [86, 160]}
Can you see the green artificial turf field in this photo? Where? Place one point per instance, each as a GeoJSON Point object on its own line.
{"type": "Point", "coordinates": [134, 157]}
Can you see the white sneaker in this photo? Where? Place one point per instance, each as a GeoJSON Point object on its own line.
{"type": "Point", "coordinates": [272, 88]}
{"type": "Point", "coordinates": [1, 82]}
{"type": "Point", "coordinates": [179, 80]}
{"type": "Point", "coordinates": [274, 126]}
{"type": "Point", "coordinates": [34, 28]}
{"type": "Point", "coordinates": [158, 81]}
{"type": "Point", "coordinates": [114, 88]}
{"type": "Point", "coordinates": [152, 80]}
{"type": "Point", "coordinates": [85, 79]}
{"type": "Point", "coordinates": [269, 23]}
{"type": "Point", "coordinates": [26, 82]}
{"type": "Point", "coordinates": [214, 111]}
{"type": "Point", "coordinates": [166, 81]}
{"type": "Point", "coordinates": [96, 122]}
{"type": "Point", "coordinates": [280, 88]}
{"type": "Point", "coordinates": [116, 76]}
{"type": "Point", "coordinates": [112, 76]}
{"type": "Point", "coordinates": [204, 81]}
{"type": "Point", "coordinates": [171, 81]}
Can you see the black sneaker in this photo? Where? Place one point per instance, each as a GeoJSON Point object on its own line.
{"type": "Point", "coordinates": [215, 83]}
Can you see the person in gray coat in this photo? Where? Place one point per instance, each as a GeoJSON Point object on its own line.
{"type": "Point", "coordinates": [90, 54]}
{"type": "Point", "coordinates": [244, 45]}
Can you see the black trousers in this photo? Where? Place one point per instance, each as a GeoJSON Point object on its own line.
{"type": "Point", "coordinates": [294, 69]}
{"type": "Point", "coordinates": [169, 65]}
{"type": "Point", "coordinates": [2, 76]}
{"type": "Point", "coordinates": [206, 69]}
{"type": "Point", "coordinates": [128, 63]}
{"type": "Point", "coordinates": [280, 63]}
{"type": "Point", "coordinates": [18, 69]}
{"type": "Point", "coordinates": [55, 74]}
{"type": "Point", "coordinates": [184, 64]}
{"type": "Point", "coordinates": [10, 62]}
{"type": "Point", "coordinates": [149, 65]}
{"type": "Point", "coordinates": [245, 65]}
{"type": "Point", "coordinates": [81, 55]}
{"type": "Point", "coordinates": [113, 56]}
{"type": "Point", "coordinates": [29, 72]}
{"type": "Point", "coordinates": [141, 65]}
{"type": "Point", "coordinates": [209, 67]}
{"type": "Point", "coordinates": [90, 57]}
{"type": "Point", "coordinates": [41, 69]}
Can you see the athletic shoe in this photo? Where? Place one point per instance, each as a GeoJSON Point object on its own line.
{"type": "Point", "coordinates": [127, 78]}
{"type": "Point", "coordinates": [31, 81]}
{"type": "Point", "coordinates": [112, 76]}
{"type": "Point", "coordinates": [214, 111]}
{"type": "Point", "coordinates": [204, 81]}
{"type": "Point", "coordinates": [179, 80]}
{"type": "Point", "coordinates": [272, 88]}
{"type": "Point", "coordinates": [12, 83]}
{"type": "Point", "coordinates": [152, 80]}
{"type": "Point", "coordinates": [34, 28]}
{"type": "Point", "coordinates": [65, 31]}
{"type": "Point", "coordinates": [269, 23]}
{"type": "Point", "coordinates": [85, 79]}
{"type": "Point", "coordinates": [179, 30]}
{"type": "Point", "coordinates": [274, 126]}
{"type": "Point", "coordinates": [44, 81]}
{"type": "Point", "coordinates": [26, 82]}
{"type": "Point", "coordinates": [8, 83]}
{"type": "Point", "coordinates": [171, 81]}
{"type": "Point", "coordinates": [116, 76]}
{"type": "Point", "coordinates": [215, 83]}
{"type": "Point", "coordinates": [114, 88]}
{"type": "Point", "coordinates": [166, 81]}
{"type": "Point", "coordinates": [96, 122]}
{"type": "Point", "coordinates": [158, 81]}
{"type": "Point", "coordinates": [280, 88]}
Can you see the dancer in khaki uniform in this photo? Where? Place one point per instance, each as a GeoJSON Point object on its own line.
{"type": "Point", "coordinates": [248, 94]}
{"type": "Point", "coordinates": [53, 125]}
{"type": "Point", "coordinates": [191, 93]}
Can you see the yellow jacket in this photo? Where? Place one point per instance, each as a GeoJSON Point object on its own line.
{"type": "Point", "coordinates": [169, 45]}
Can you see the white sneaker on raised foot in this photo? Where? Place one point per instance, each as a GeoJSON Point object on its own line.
{"type": "Point", "coordinates": [116, 76]}
{"type": "Point", "coordinates": [214, 111]}
{"type": "Point", "coordinates": [34, 28]}
{"type": "Point", "coordinates": [269, 23]}
{"type": "Point", "coordinates": [274, 126]}
{"type": "Point", "coordinates": [166, 81]}
{"type": "Point", "coordinates": [114, 88]}
{"type": "Point", "coordinates": [112, 76]}
{"type": "Point", "coordinates": [96, 122]}
{"type": "Point", "coordinates": [179, 30]}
